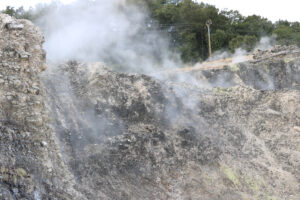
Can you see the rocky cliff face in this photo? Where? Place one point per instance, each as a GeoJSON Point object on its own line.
{"type": "Point", "coordinates": [30, 161]}
{"type": "Point", "coordinates": [157, 140]}
{"type": "Point", "coordinates": [86, 132]}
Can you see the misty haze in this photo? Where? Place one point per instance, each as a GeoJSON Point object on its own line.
{"type": "Point", "coordinates": [148, 99]}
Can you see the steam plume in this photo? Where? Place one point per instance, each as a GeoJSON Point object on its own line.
{"type": "Point", "coordinates": [111, 31]}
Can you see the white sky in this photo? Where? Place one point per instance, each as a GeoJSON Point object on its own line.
{"type": "Point", "coordinates": [26, 3]}
{"type": "Point", "coordinates": [272, 9]}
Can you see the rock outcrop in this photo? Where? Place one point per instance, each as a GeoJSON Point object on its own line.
{"type": "Point", "coordinates": [30, 163]}
{"type": "Point", "coordinates": [87, 132]}
{"type": "Point", "coordinates": [273, 69]}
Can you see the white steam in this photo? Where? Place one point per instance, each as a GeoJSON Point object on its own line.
{"type": "Point", "coordinates": [125, 38]}
{"type": "Point", "coordinates": [36, 195]}
{"type": "Point", "coordinates": [110, 31]}
{"type": "Point", "coordinates": [266, 43]}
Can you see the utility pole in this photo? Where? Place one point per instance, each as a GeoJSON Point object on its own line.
{"type": "Point", "coordinates": [208, 23]}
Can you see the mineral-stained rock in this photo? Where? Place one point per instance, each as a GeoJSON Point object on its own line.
{"type": "Point", "coordinates": [129, 136]}
{"type": "Point", "coordinates": [87, 132]}
{"type": "Point", "coordinates": [273, 69]}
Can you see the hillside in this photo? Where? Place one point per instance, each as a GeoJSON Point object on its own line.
{"type": "Point", "coordinates": [82, 131]}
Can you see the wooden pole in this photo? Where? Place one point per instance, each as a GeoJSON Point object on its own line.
{"type": "Point", "coordinates": [208, 23]}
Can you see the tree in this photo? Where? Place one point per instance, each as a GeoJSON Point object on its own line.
{"type": "Point", "coordinates": [219, 40]}
{"type": "Point", "coordinates": [10, 11]}
{"type": "Point", "coordinates": [246, 42]}
{"type": "Point", "coordinates": [254, 25]}
{"type": "Point", "coordinates": [19, 13]}
{"type": "Point", "coordinates": [188, 47]}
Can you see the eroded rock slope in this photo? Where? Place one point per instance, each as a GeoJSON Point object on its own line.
{"type": "Point", "coordinates": [30, 163]}
{"type": "Point", "coordinates": [129, 136]}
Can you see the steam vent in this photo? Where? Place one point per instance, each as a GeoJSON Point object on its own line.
{"type": "Point", "coordinates": [81, 131]}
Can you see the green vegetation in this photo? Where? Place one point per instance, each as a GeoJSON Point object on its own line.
{"type": "Point", "coordinates": [229, 31]}
{"type": "Point", "coordinates": [287, 33]}
{"type": "Point", "coordinates": [184, 22]}
{"type": "Point", "coordinates": [19, 13]}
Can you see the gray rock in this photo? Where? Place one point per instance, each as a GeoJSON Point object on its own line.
{"type": "Point", "coordinates": [14, 26]}
{"type": "Point", "coordinates": [129, 136]}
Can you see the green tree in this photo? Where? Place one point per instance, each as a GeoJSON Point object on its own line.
{"type": "Point", "coordinates": [188, 47]}
{"type": "Point", "coordinates": [254, 25]}
{"type": "Point", "coordinates": [19, 13]}
{"type": "Point", "coordinates": [284, 34]}
{"type": "Point", "coordinates": [10, 11]}
{"type": "Point", "coordinates": [219, 40]}
{"type": "Point", "coordinates": [246, 42]}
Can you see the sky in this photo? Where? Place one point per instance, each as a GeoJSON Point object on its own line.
{"type": "Point", "coordinates": [26, 3]}
{"type": "Point", "coordinates": [271, 9]}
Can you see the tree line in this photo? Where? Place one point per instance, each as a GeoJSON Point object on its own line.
{"type": "Point", "coordinates": [184, 23]}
